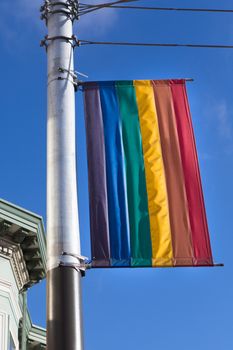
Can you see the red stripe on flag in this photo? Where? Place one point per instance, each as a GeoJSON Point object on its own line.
{"type": "Point", "coordinates": [198, 221]}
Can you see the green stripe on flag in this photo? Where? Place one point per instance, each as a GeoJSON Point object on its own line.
{"type": "Point", "coordinates": [140, 239]}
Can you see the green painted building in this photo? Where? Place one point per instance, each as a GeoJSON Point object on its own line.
{"type": "Point", "coordinates": [22, 265]}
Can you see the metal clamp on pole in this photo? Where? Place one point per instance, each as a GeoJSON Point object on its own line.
{"type": "Point", "coordinates": [72, 40]}
{"type": "Point", "coordinates": [83, 263]}
{"type": "Point", "coordinates": [70, 9]}
{"type": "Point", "coordinates": [74, 75]}
{"type": "Point", "coordinates": [73, 79]}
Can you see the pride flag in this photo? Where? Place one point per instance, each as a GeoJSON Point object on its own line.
{"type": "Point", "coordinates": [146, 200]}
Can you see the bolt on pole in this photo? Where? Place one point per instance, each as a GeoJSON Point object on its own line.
{"type": "Point", "coordinates": [64, 311]}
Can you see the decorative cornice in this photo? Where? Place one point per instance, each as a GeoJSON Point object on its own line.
{"type": "Point", "coordinates": [14, 253]}
{"type": "Point", "coordinates": [24, 230]}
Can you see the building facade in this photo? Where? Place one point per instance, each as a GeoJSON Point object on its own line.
{"type": "Point", "coordinates": [22, 265]}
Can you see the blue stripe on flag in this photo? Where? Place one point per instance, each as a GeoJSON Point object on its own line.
{"type": "Point", "coordinates": [116, 177]}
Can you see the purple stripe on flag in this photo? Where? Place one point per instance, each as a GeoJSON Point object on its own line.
{"type": "Point", "coordinates": [97, 177]}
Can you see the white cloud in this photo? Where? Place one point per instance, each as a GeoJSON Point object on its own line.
{"type": "Point", "coordinates": [219, 125]}
{"type": "Point", "coordinates": [29, 10]}
{"type": "Point", "coordinates": [23, 12]}
{"type": "Point", "coordinates": [96, 23]}
{"type": "Point", "coordinates": [224, 123]}
{"type": "Point", "coordinates": [26, 14]}
{"type": "Point", "coordinates": [219, 116]}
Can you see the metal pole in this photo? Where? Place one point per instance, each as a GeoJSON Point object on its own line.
{"type": "Point", "coordinates": [64, 314]}
{"type": "Point", "coordinates": [24, 321]}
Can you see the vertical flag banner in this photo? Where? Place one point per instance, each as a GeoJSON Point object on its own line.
{"type": "Point", "coordinates": [145, 194]}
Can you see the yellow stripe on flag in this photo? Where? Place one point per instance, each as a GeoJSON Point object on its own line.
{"type": "Point", "coordinates": [155, 175]}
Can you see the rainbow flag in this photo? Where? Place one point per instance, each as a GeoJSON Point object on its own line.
{"type": "Point", "coordinates": [146, 200]}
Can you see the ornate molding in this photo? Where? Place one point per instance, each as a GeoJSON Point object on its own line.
{"type": "Point", "coordinates": [14, 253]}
{"type": "Point", "coordinates": [23, 247]}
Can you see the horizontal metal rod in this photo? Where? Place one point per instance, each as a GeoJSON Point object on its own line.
{"type": "Point", "coordinates": [154, 267]}
{"type": "Point", "coordinates": [189, 80]}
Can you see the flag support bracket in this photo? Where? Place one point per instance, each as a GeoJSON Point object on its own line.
{"type": "Point", "coordinates": [74, 75]}
{"type": "Point", "coordinates": [83, 263]}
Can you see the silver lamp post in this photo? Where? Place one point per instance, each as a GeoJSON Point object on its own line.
{"type": "Point", "coordinates": [64, 314]}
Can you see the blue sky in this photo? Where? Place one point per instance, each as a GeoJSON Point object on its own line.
{"type": "Point", "coordinates": [183, 309]}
